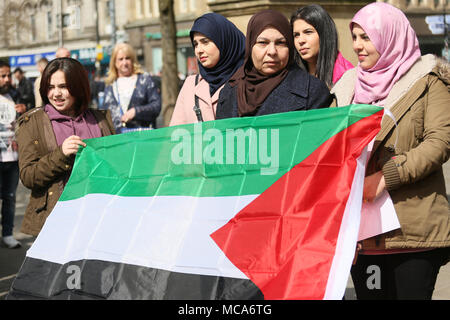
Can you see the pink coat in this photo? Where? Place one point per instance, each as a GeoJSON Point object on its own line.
{"type": "Point", "coordinates": [184, 112]}
{"type": "Point", "coordinates": [340, 66]}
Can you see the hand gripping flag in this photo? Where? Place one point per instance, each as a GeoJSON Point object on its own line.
{"type": "Point", "coordinates": [246, 208]}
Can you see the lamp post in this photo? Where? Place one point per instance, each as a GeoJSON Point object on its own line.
{"type": "Point", "coordinates": [97, 40]}
{"type": "Point", "coordinates": [112, 14]}
{"type": "Point", "coordinates": [61, 25]}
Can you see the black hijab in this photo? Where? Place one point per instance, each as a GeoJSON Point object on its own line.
{"type": "Point", "coordinates": [229, 40]}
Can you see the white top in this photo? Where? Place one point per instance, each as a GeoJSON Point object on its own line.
{"type": "Point", "coordinates": [7, 121]}
{"type": "Point", "coordinates": [123, 90]}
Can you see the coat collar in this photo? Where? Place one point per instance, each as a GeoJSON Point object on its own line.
{"type": "Point", "coordinates": [344, 89]}
{"type": "Point", "coordinates": [202, 91]}
{"type": "Point", "coordinates": [399, 100]}
{"type": "Point", "coordinates": [297, 81]}
{"type": "Point", "coordinates": [407, 90]}
{"type": "Point", "coordinates": [421, 68]}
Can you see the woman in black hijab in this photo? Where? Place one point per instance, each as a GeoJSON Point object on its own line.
{"type": "Point", "coordinates": [269, 81]}
{"type": "Point", "coordinates": [219, 47]}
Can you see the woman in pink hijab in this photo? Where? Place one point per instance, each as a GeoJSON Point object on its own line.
{"type": "Point", "coordinates": [407, 156]}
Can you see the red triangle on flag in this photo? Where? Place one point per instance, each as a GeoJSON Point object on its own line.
{"type": "Point", "coordinates": [285, 240]}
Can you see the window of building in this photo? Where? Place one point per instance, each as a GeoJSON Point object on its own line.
{"type": "Point", "coordinates": [148, 8]}
{"type": "Point", "coordinates": [107, 9]}
{"type": "Point", "coordinates": [71, 18]}
{"type": "Point", "coordinates": [17, 29]}
{"type": "Point", "coordinates": [33, 27]}
{"type": "Point", "coordinates": [183, 6]}
{"type": "Point", "coordinates": [157, 60]}
{"type": "Point", "coordinates": [151, 8]}
{"type": "Point", "coordinates": [193, 5]}
{"type": "Point", "coordinates": [49, 25]}
{"type": "Point", "coordinates": [139, 9]}
{"type": "Point", "coordinates": [14, 22]}
{"type": "Point", "coordinates": [155, 8]}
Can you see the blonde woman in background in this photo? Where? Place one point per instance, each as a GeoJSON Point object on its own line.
{"type": "Point", "coordinates": [131, 94]}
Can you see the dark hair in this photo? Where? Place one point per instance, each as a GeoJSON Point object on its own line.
{"type": "Point", "coordinates": [18, 69]}
{"type": "Point", "coordinates": [3, 64]}
{"type": "Point", "coordinates": [316, 16]}
{"type": "Point", "coordinates": [77, 82]}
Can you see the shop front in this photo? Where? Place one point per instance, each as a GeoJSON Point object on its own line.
{"type": "Point", "coordinates": [88, 58]}
{"type": "Point", "coordinates": [186, 61]}
{"type": "Point", "coordinates": [28, 63]}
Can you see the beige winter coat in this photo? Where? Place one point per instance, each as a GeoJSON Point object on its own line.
{"type": "Point", "coordinates": [411, 155]}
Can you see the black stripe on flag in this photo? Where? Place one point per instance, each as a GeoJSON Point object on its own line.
{"type": "Point", "coordinates": [96, 279]}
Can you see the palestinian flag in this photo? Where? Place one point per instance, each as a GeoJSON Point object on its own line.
{"type": "Point", "coordinates": [248, 208]}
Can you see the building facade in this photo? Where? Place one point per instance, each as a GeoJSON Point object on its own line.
{"type": "Point", "coordinates": [144, 33]}
{"type": "Point", "coordinates": [417, 11]}
{"type": "Point", "coordinates": [31, 29]}
{"type": "Point", "coordinates": [427, 19]}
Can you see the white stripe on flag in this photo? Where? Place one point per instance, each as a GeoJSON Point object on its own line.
{"type": "Point", "coordinates": [348, 235]}
{"type": "Point", "coordinates": [169, 233]}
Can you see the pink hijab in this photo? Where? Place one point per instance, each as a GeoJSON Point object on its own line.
{"type": "Point", "coordinates": [396, 42]}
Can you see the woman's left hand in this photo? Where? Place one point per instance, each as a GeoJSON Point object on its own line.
{"type": "Point", "coordinates": [129, 115]}
{"type": "Point", "coordinates": [374, 185]}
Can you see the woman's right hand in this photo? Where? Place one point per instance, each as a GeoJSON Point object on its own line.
{"type": "Point", "coordinates": [374, 185]}
{"type": "Point", "coordinates": [71, 145]}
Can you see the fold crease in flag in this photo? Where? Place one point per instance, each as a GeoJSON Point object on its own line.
{"type": "Point", "coordinates": [249, 208]}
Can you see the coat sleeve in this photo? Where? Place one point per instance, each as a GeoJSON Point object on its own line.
{"type": "Point", "coordinates": [185, 103]}
{"type": "Point", "coordinates": [28, 95]}
{"type": "Point", "coordinates": [111, 104]}
{"type": "Point", "coordinates": [104, 121]}
{"type": "Point", "coordinates": [151, 105]}
{"type": "Point", "coordinates": [429, 155]}
{"type": "Point", "coordinates": [39, 171]}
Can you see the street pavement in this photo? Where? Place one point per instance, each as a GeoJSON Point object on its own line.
{"type": "Point", "coordinates": [12, 259]}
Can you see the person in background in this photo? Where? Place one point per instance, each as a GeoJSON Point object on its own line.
{"type": "Point", "coordinates": [41, 64]}
{"type": "Point", "coordinates": [62, 53]}
{"type": "Point", "coordinates": [130, 94]}
{"type": "Point", "coordinates": [219, 47]}
{"type": "Point", "coordinates": [316, 41]}
{"type": "Point", "coordinates": [24, 89]}
{"type": "Point", "coordinates": [97, 91]}
{"type": "Point", "coordinates": [407, 155]}
{"type": "Point", "coordinates": [269, 81]}
{"type": "Point", "coordinates": [50, 136]}
{"type": "Point", "coordinates": [9, 169]}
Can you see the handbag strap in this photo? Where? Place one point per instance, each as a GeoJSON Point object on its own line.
{"type": "Point", "coordinates": [197, 110]}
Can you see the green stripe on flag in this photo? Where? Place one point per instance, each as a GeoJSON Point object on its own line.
{"type": "Point", "coordinates": [206, 160]}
